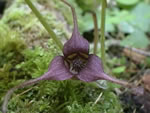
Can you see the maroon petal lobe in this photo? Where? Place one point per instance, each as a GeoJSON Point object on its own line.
{"type": "Point", "coordinates": [76, 43]}
{"type": "Point", "coordinates": [57, 70]}
{"type": "Point", "coordinates": [94, 71]}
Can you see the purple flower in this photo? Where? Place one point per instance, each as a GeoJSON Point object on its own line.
{"type": "Point", "coordinates": [76, 63]}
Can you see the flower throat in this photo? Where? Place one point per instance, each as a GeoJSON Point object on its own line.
{"type": "Point", "coordinates": [76, 62]}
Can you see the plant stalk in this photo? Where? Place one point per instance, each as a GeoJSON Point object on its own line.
{"type": "Point", "coordinates": [95, 29]}
{"type": "Point", "coordinates": [102, 39]}
{"type": "Point", "coordinates": [45, 24]}
{"type": "Point", "coordinates": [95, 32]}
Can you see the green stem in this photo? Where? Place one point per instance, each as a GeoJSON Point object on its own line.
{"type": "Point", "coordinates": [104, 4]}
{"type": "Point", "coordinates": [95, 32]}
{"type": "Point", "coordinates": [45, 24]}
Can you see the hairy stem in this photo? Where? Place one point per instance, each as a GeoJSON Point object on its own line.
{"type": "Point", "coordinates": [10, 92]}
{"type": "Point", "coordinates": [45, 24]}
{"type": "Point", "coordinates": [102, 41]}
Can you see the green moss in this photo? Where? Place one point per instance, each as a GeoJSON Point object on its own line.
{"type": "Point", "coordinates": [11, 47]}
{"type": "Point", "coordinates": [20, 18]}
{"type": "Point", "coordinates": [33, 64]}
{"type": "Point", "coordinates": [65, 97]}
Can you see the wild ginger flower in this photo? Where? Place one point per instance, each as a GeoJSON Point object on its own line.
{"type": "Point", "coordinates": [75, 63]}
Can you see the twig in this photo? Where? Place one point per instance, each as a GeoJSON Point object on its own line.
{"type": "Point", "coordinates": [99, 97]}
{"type": "Point", "coordinates": [118, 43]}
{"type": "Point", "coordinates": [142, 52]}
{"type": "Point", "coordinates": [24, 92]}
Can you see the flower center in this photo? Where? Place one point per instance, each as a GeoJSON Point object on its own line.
{"type": "Point", "coordinates": [77, 62]}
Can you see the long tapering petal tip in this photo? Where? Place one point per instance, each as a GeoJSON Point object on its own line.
{"type": "Point", "coordinates": [115, 80]}
{"type": "Point", "coordinates": [94, 71]}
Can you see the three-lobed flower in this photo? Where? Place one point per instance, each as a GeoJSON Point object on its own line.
{"type": "Point", "coordinates": [76, 63]}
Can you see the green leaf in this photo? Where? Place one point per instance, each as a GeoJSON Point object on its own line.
{"type": "Point", "coordinates": [137, 39]}
{"type": "Point", "coordinates": [141, 17]}
{"type": "Point", "coordinates": [88, 4]}
{"type": "Point", "coordinates": [126, 27]}
{"type": "Point", "coordinates": [119, 70]}
{"type": "Point", "coordinates": [127, 2]}
{"type": "Point", "coordinates": [85, 23]}
{"type": "Point", "coordinates": [148, 61]}
{"type": "Point", "coordinates": [119, 16]}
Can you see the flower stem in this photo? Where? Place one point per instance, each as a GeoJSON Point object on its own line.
{"type": "Point", "coordinates": [102, 41]}
{"type": "Point", "coordinates": [45, 24]}
{"type": "Point", "coordinates": [95, 32]}
{"type": "Point", "coordinates": [95, 29]}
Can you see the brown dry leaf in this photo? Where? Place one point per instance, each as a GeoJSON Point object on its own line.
{"type": "Point", "coordinates": [146, 80]}
{"type": "Point", "coordinates": [134, 55]}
